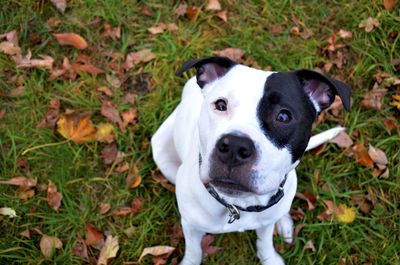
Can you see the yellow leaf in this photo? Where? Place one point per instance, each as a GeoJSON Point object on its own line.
{"type": "Point", "coordinates": [347, 215]}
{"type": "Point", "coordinates": [105, 133]}
{"type": "Point", "coordinates": [396, 101]}
{"type": "Point", "coordinates": [109, 250]}
{"type": "Point", "coordinates": [77, 128]}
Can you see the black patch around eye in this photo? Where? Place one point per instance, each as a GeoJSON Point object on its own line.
{"type": "Point", "coordinates": [284, 116]}
{"type": "Point", "coordinates": [221, 105]}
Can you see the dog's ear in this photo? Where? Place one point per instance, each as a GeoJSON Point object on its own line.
{"type": "Point", "coordinates": [322, 89]}
{"type": "Point", "coordinates": [208, 69]}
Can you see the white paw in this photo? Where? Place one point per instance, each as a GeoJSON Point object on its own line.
{"type": "Point", "coordinates": [273, 259]}
{"type": "Point", "coordinates": [285, 228]}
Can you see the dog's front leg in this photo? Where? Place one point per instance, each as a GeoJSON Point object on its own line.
{"type": "Point", "coordinates": [265, 248]}
{"type": "Point", "coordinates": [193, 237]}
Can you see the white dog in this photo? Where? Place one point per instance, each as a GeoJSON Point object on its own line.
{"type": "Point", "coordinates": [232, 144]}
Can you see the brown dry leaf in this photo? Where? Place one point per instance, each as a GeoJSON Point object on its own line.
{"type": "Point", "coordinates": [156, 175]}
{"type": "Point", "coordinates": [48, 244]}
{"type": "Point", "coordinates": [129, 117]}
{"type": "Point", "coordinates": [373, 99]}
{"type": "Point", "coordinates": [309, 246]}
{"type": "Point", "coordinates": [156, 29]}
{"type": "Point", "coordinates": [77, 128]}
{"type": "Point", "coordinates": [87, 68]}
{"type": "Point", "coordinates": [27, 62]}
{"type": "Point", "coordinates": [343, 140]}
{"type": "Point", "coordinates": [213, 5]}
{"type": "Point", "coordinates": [121, 167]}
{"type": "Point", "coordinates": [389, 4]}
{"type": "Point", "coordinates": [205, 246]}
{"type": "Point", "coordinates": [111, 154]}
{"type": "Point", "coordinates": [10, 36]}
{"type": "Point", "coordinates": [222, 15]}
{"type": "Point", "coordinates": [9, 48]}
{"type": "Point", "coordinates": [105, 133]}
{"type": "Point", "coordinates": [94, 237]}
{"type": "Point", "coordinates": [136, 206]}
{"type": "Point", "coordinates": [390, 125]}
{"type": "Point", "coordinates": [156, 251]}
{"type": "Point", "coordinates": [309, 198]}
{"type": "Point", "coordinates": [364, 204]}
{"type": "Point", "coordinates": [81, 250]}
{"type": "Point", "coordinates": [369, 24]}
{"type": "Point", "coordinates": [26, 195]}
{"type": "Point", "coordinates": [306, 33]}
{"type": "Point", "coordinates": [181, 10]}
{"type": "Point", "coordinates": [235, 54]}
{"type": "Point", "coordinates": [23, 182]}
{"type": "Point", "coordinates": [53, 196]}
{"type": "Point", "coordinates": [104, 208]}
{"type": "Point", "coordinates": [64, 70]}
{"type": "Point", "coordinates": [192, 12]}
{"type": "Point", "coordinates": [2, 112]}
{"type": "Point", "coordinates": [52, 114]}
{"type": "Point", "coordinates": [71, 39]}
{"type": "Point", "coordinates": [135, 182]}
{"type": "Point", "coordinates": [362, 156]}
{"type": "Point", "coordinates": [377, 155]}
{"type": "Point", "coordinates": [147, 11]}
{"type": "Point", "coordinates": [106, 90]}
{"type": "Point", "coordinates": [134, 58]}
{"type": "Point", "coordinates": [344, 34]}
{"type": "Point", "coordinates": [61, 5]}
{"type": "Point", "coordinates": [110, 32]}
{"type": "Point", "coordinates": [109, 111]}
{"type": "Point", "coordinates": [109, 250]}
{"type": "Point", "coordinates": [297, 214]}
{"type": "Point", "coordinates": [175, 234]}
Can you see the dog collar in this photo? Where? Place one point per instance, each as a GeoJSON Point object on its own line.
{"type": "Point", "coordinates": [233, 209]}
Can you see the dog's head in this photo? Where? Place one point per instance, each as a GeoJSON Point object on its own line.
{"type": "Point", "coordinates": [255, 125]}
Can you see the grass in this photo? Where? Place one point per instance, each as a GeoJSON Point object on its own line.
{"type": "Point", "coordinates": [83, 180]}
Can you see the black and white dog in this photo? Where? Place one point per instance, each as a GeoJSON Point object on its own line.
{"type": "Point", "coordinates": [232, 144]}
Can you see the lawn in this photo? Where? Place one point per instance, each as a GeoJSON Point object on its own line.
{"type": "Point", "coordinates": [92, 176]}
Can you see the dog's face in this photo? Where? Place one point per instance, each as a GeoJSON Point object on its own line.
{"type": "Point", "coordinates": [255, 125]}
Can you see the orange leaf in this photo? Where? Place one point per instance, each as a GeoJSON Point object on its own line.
{"type": "Point", "coordinates": [77, 128]}
{"type": "Point", "coordinates": [109, 111]}
{"type": "Point", "coordinates": [104, 208]}
{"type": "Point", "coordinates": [94, 237]}
{"type": "Point", "coordinates": [192, 12]}
{"type": "Point", "coordinates": [223, 15]}
{"type": "Point", "coordinates": [71, 39]}
{"type": "Point", "coordinates": [135, 182]}
{"type": "Point", "coordinates": [389, 4]}
{"type": "Point", "coordinates": [362, 156]}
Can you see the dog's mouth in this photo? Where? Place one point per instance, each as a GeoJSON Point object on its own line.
{"type": "Point", "coordinates": [229, 186]}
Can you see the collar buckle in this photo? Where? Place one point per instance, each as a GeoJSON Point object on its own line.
{"type": "Point", "coordinates": [234, 213]}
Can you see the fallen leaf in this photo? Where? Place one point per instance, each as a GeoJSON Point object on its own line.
{"type": "Point", "coordinates": [106, 90]}
{"type": "Point", "coordinates": [87, 68]}
{"type": "Point", "coordinates": [130, 231]}
{"type": "Point", "coordinates": [309, 246]}
{"type": "Point", "coordinates": [396, 101]}
{"type": "Point", "coordinates": [156, 29]}
{"type": "Point", "coordinates": [48, 244]}
{"type": "Point", "coordinates": [127, 210]}
{"type": "Point", "coordinates": [235, 54]}
{"type": "Point", "coordinates": [344, 34]}
{"type": "Point", "coordinates": [26, 194]}
{"type": "Point", "coordinates": [134, 58]}
{"type": "Point", "coordinates": [71, 39]}
{"type": "Point", "coordinates": [104, 208]}
{"type": "Point", "coordinates": [389, 4]}
{"type": "Point", "coordinates": [53, 22]}
{"type": "Point", "coordinates": [27, 62]}
{"type": "Point", "coordinates": [309, 198]}
{"type": "Point", "coordinates": [9, 48]}
{"type": "Point", "coordinates": [377, 155]}
{"type": "Point", "coordinates": [343, 140]}
{"type": "Point", "coordinates": [369, 24]}
{"type": "Point", "coordinates": [61, 5]}
{"type": "Point", "coordinates": [156, 251]}
{"type": "Point", "coordinates": [147, 11]}
{"type": "Point", "coordinates": [135, 182]}
{"type": "Point", "coordinates": [175, 234]}
{"type": "Point", "coordinates": [65, 70]}
{"type": "Point", "coordinates": [364, 204]}
{"type": "Point", "coordinates": [53, 196]}
{"type": "Point", "coordinates": [297, 214]}
{"type": "Point", "coordinates": [105, 133]}
{"type": "Point", "coordinates": [10, 36]}
{"type": "Point", "coordinates": [111, 154]}
{"type": "Point", "coordinates": [205, 246]}
{"type": "Point", "coordinates": [109, 250]}
{"type": "Point", "coordinates": [26, 233]}
{"type": "Point", "coordinates": [373, 99]}
{"type": "Point", "coordinates": [129, 117]}
{"type": "Point", "coordinates": [192, 12]}
{"type": "Point", "coordinates": [156, 175]}
{"type": "Point", "coordinates": [94, 237]}
{"type": "Point", "coordinates": [110, 32]}
{"type": "Point", "coordinates": [181, 10]}
{"type": "Point", "coordinates": [213, 5]}
{"type": "Point", "coordinates": [80, 249]}
{"type": "Point", "coordinates": [23, 182]}
{"type": "Point", "coordinates": [109, 111]}
{"type": "Point", "coordinates": [121, 167]}
{"type": "Point", "coordinates": [77, 128]}
{"type": "Point", "coordinates": [362, 156]}
{"type": "Point", "coordinates": [10, 212]}
{"type": "Point", "coordinates": [347, 215]}
{"type": "Point", "coordinates": [52, 114]}
{"type": "Point", "coordinates": [223, 15]}
{"type": "Point", "coordinates": [390, 125]}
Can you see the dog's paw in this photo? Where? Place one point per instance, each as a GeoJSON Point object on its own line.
{"type": "Point", "coordinates": [285, 228]}
{"type": "Point", "coordinates": [273, 259]}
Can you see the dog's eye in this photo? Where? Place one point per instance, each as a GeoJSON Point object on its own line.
{"type": "Point", "coordinates": [284, 116]}
{"type": "Point", "coordinates": [220, 105]}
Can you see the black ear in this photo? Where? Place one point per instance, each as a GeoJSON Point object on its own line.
{"type": "Point", "coordinates": [322, 89]}
{"type": "Point", "coordinates": [208, 69]}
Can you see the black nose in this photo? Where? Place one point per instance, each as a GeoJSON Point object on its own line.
{"type": "Point", "coordinates": [235, 150]}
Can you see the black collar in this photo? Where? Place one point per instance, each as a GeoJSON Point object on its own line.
{"type": "Point", "coordinates": [233, 209]}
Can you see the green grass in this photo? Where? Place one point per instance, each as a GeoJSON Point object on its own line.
{"type": "Point", "coordinates": [84, 181]}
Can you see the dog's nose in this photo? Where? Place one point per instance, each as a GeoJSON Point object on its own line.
{"type": "Point", "coordinates": [235, 150]}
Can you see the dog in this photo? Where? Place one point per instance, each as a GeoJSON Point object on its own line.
{"type": "Point", "coordinates": [232, 144]}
